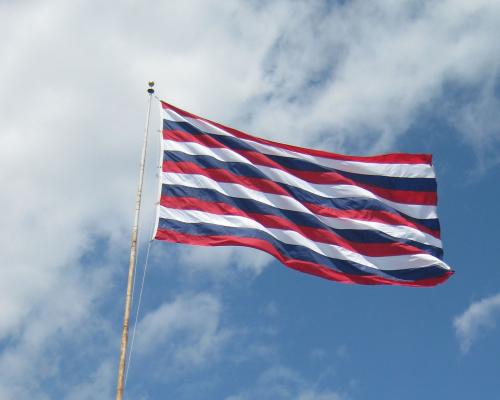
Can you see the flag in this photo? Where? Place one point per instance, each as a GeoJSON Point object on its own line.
{"type": "Point", "coordinates": [365, 220]}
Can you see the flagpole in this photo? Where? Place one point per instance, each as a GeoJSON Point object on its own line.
{"type": "Point", "coordinates": [133, 252]}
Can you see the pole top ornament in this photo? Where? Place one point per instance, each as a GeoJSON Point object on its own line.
{"type": "Point", "coordinates": [151, 85]}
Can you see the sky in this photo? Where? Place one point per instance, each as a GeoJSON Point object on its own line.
{"type": "Point", "coordinates": [352, 77]}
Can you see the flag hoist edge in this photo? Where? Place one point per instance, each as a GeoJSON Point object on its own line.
{"type": "Point", "coordinates": [365, 220]}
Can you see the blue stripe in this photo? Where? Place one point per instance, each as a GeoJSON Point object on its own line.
{"type": "Point", "coordinates": [241, 169]}
{"type": "Point", "coordinates": [299, 218]}
{"type": "Point", "coordinates": [385, 182]}
{"type": "Point", "coordinates": [300, 252]}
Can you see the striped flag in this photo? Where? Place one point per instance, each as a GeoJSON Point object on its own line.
{"type": "Point", "coordinates": [366, 220]}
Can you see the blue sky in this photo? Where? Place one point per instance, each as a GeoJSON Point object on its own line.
{"type": "Point", "coordinates": [233, 324]}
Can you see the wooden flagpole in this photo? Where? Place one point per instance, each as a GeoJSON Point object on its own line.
{"type": "Point", "coordinates": [133, 252]}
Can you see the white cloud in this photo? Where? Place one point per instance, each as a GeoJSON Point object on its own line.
{"type": "Point", "coordinates": [101, 382]}
{"type": "Point", "coordinates": [479, 122]}
{"type": "Point", "coordinates": [479, 316]}
{"type": "Point", "coordinates": [366, 70]}
{"type": "Point", "coordinates": [223, 262]}
{"type": "Point", "coordinates": [73, 77]}
{"type": "Point", "coordinates": [188, 330]}
{"type": "Point", "coordinates": [270, 310]}
{"type": "Point", "coordinates": [280, 382]}
{"type": "Point", "coordinates": [67, 321]}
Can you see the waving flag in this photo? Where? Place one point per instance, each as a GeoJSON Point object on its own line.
{"type": "Point", "coordinates": [366, 220]}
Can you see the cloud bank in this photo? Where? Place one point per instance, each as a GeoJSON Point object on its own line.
{"type": "Point", "coordinates": [477, 318]}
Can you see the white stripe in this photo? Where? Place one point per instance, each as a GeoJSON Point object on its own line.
{"type": "Point", "coordinates": [365, 168]}
{"type": "Point", "coordinates": [171, 115]}
{"type": "Point", "coordinates": [289, 203]}
{"type": "Point", "coordinates": [395, 231]}
{"type": "Point", "coordinates": [278, 175]}
{"type": "Point", "coordinates": [336, 191]}
{"type": "Point", "coordinates": [197, 149]}
{"type": "Point", "coordinates": [294, 238]}
{"type": "Point", "coordinates": [197, 123]}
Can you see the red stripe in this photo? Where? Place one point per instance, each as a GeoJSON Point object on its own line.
{"type": "Point", "coordinates": [276, 222]}
{"type": "Point", "coordinates": [399, 196]}
{"type": "Point", "coordinates": [394, 158]}
{"type": "Point", "coordinates": [303, 266]}
{"type": "Point", "coordinates": [222, 175]}
{"type": "Point", "coordinates": [369, 215]}
{"type": "Point", "coordinates": [182, 136]}
{"type": "Point", "coordinates": [268, 186]}
{"type": "Point", "coordinates": [333, 178]}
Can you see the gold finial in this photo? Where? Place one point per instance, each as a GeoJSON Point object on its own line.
{"type": "Point", "coordinates": [151, 90]}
